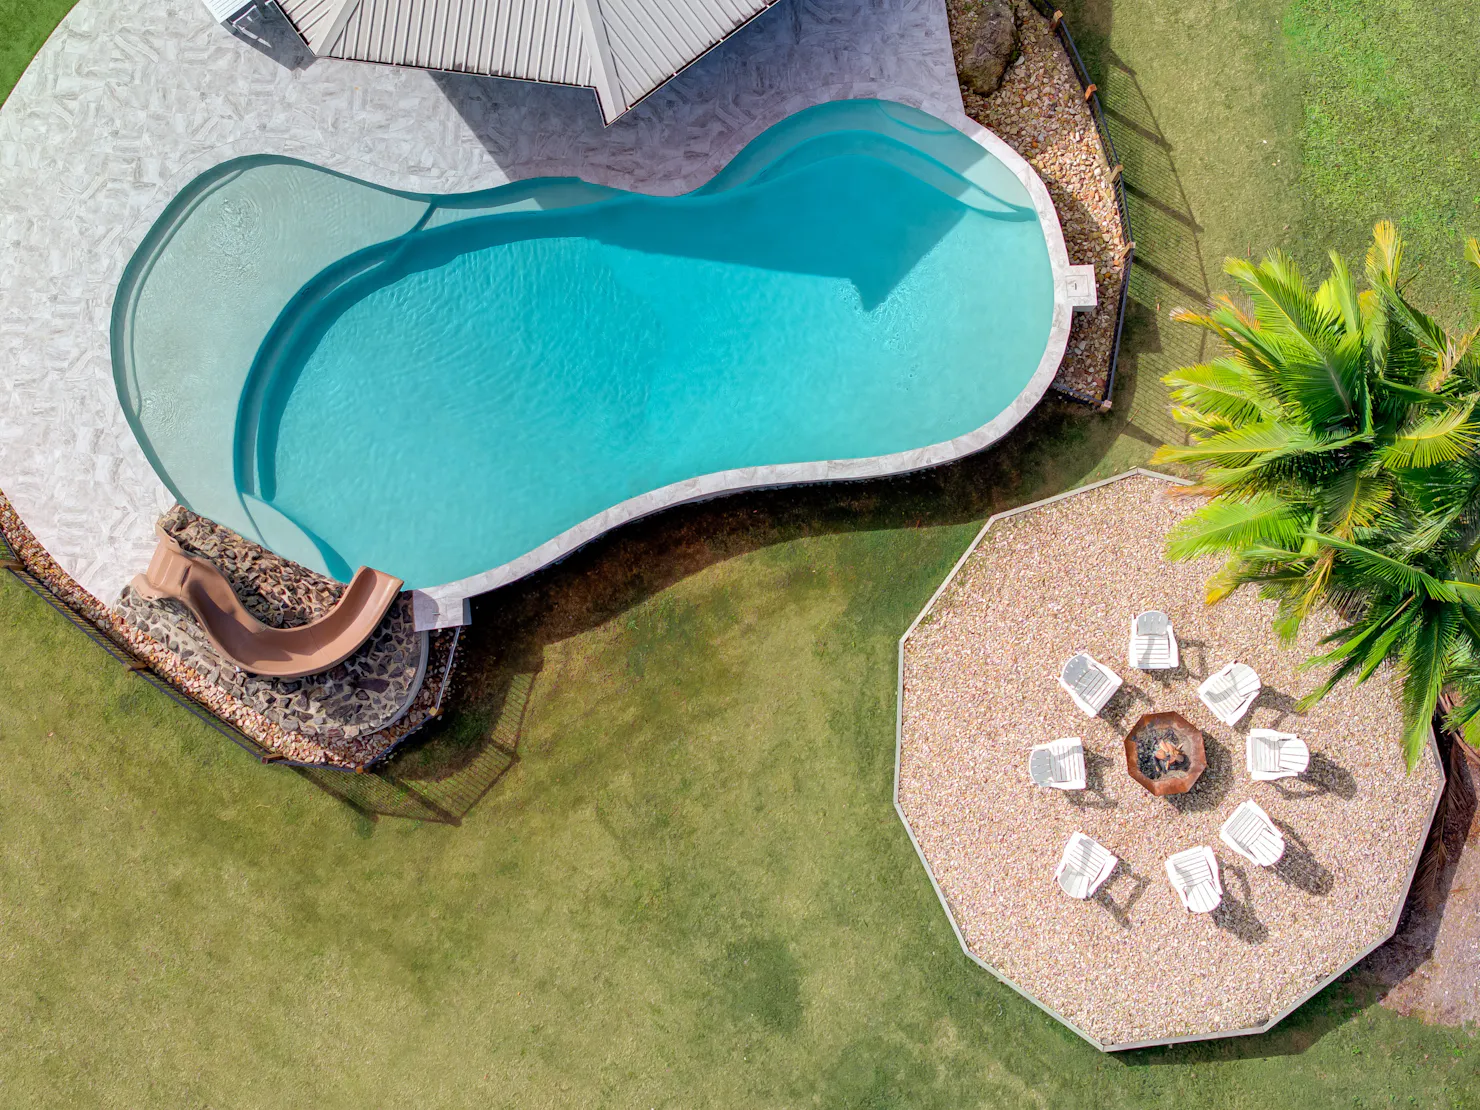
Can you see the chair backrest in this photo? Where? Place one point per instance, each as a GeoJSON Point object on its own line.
{"type": "Point", "coordinates": [1041, 766]}
{"type": "Point", "coordinates": [1264, 751]}
{"type": "Point", "coordinates": [1084, 858]}
{"type": "Point", "coordinates": [1223, 699]}
{"type": "Point", "coordinates": [1246, 825]}
{"type": "Point", "coordinates": [1244, 679]}
{"type": "Point", "coordinates": [1294, 755]}
{"type": "Point", "coordinates": [1191, 868]}
{"type": "Point", "coordinates": [1076, 668]}
{"type": "Point", "coordinates": [1153, 622]}
{"type": "Point", "coordinates": [1250, 830]}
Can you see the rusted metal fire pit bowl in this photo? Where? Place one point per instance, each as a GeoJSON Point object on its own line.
{"type": "Point", "coordinates": [1164, 753]}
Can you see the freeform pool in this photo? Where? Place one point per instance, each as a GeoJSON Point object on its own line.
{"type": "Point", "coordinates": [459, 389]}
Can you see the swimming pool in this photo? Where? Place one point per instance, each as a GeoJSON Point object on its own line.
{"type": "Point", "coordinates": [458, 389]}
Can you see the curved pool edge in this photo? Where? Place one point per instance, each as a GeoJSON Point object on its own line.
{"type": "Point", "coordinates": [446, 605]}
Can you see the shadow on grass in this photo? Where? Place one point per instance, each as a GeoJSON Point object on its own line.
{"type": "Point", "coordinates": [1329, 1010]}
{"type": "Point", "coordinates": [1059, 445]}
{"type": "Point", "coordinates": [1169, 270]}
{"type": "Point", "coordinates": [464, 754]}
{"type": "Point", "coordinates": [441, 777]}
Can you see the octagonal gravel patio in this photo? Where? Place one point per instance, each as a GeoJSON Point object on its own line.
{"type": "Point", "coordinates": [1130, 967]}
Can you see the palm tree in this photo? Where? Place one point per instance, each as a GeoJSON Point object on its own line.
{"type": "Point", "coordinates": [1337, 441]}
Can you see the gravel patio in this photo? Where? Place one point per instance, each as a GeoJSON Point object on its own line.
{"type": "Point", "coordinates": [1130, 966]}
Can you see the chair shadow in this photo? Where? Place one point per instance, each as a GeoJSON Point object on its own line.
{"type": "Point", "coordinates": [1299, 866]}
{"type": "Point", "coordinates": [1323, 776]}
{"type": "Point", "coordinates": [1283, 704]}
{"type": "Point", "coordinates": [1236, 915]}
{"type": "Point", "coordinates": [1093, 795]}
{"type": "Point", "coordinates": [1122, 705]}
{"type": "Point", "coordinates": [1214, 784]}
{"type": "Point", "coordinates": [1120, 909]}
{"type": "Point", "coordinates": [1192, 664]}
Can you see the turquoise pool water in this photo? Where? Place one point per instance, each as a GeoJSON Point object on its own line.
{"type": "Point", "coordinates": [445, 384]}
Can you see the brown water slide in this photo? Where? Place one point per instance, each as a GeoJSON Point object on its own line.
{"type": "Point", "coordinates": [246, 641]}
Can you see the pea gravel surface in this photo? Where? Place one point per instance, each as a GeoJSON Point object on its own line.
{"type": "Point", "coordinates": [1130, 965]}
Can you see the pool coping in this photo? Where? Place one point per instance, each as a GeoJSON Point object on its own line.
{"type": "Point", "coordinates": [446, 605]}
{"type": "Point", "coordinates": [1393, 919]}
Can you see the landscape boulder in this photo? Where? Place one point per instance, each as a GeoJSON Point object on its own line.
{"type": "Point", "coordinates": [987, 43]}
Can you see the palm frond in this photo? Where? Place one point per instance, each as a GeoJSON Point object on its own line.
{"type": "Point", "coordinates": [1338, 295]}
{"type": "Point", "coordinates": [1223, 388]}
{"type": "Point", "coordinates": [1436, 438]}
{"type": "Point", "coordinates": [1423, 665]}
{"type": "Point", "coordinates": [1391, 572]}
{"type": "Point", "coordinates": [1223, 525]}
{"type": "Point", "coordinates": [1385, 255]}
{"type": "Point", "coordinates": [1353, 501]}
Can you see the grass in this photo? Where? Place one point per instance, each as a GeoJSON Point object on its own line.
{"type": "Point", "coordinates": [24, 25]}
{"type": "Point", "coordinates": [690, 889]}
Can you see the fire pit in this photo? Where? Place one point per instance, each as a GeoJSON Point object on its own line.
{"type": "Point", "coordinates": [1164, 753]}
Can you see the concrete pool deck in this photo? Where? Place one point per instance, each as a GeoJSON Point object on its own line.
{"type": "Point", "coordinates": [129, 100]}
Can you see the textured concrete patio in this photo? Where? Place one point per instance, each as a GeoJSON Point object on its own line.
{"type": "Point", "coordinates": [130, 99]}
{"type": "Point", "coordinates": [1130, 967]}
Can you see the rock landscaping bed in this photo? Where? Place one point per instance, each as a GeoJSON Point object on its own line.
{"type": "Point", "coordinates": [1039, 110]}
{"type": "Point", "coordinates": [347, 717]}
{"type": "Point", "coordinates": [980, 688]}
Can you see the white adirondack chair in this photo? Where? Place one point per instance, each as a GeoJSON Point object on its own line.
{"type": "Point", "coordinates": [1059, 765]}
{"type": "Point", "coordinates": [1250, 833]}
{"type": "Point", "coordinates": [1153, 645]}
{"type": "Point", "coordinates": [1194, 876]}
{"type": "Point", "coordinates": [1230, 692]}
{"type": "Point", "coordinates": [224, 11]}
{"type": "Point", "coordinates": [1086, 864]}
{"type": "Point", "coordinates": [1275, 755]}
{"type": "Point", "coordinates": [1089, 683]}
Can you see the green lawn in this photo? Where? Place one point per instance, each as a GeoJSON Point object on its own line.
{"type": "Point", "coordinates": [691, 889]}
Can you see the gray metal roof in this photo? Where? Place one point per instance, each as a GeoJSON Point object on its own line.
{"type": "Point", "coordinates": [623, 49]}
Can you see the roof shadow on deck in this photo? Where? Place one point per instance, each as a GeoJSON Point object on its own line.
{"type": "Point", "coordinates": [266, 30]}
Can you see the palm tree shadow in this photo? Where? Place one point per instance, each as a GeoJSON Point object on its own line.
{"type": "Point", "coordinates": [1456, 831]}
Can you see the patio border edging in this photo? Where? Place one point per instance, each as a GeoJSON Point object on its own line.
{"type": "Point", "coordinates": [1397, 913]}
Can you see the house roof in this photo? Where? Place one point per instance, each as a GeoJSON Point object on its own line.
{"type": "Point", "coordinates": [623, 49]}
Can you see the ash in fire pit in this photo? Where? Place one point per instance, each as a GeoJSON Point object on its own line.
{"type": "Point", "coordinates": [1158, 753]}
{"type": "Point", "coordinates": [1164, 753]}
